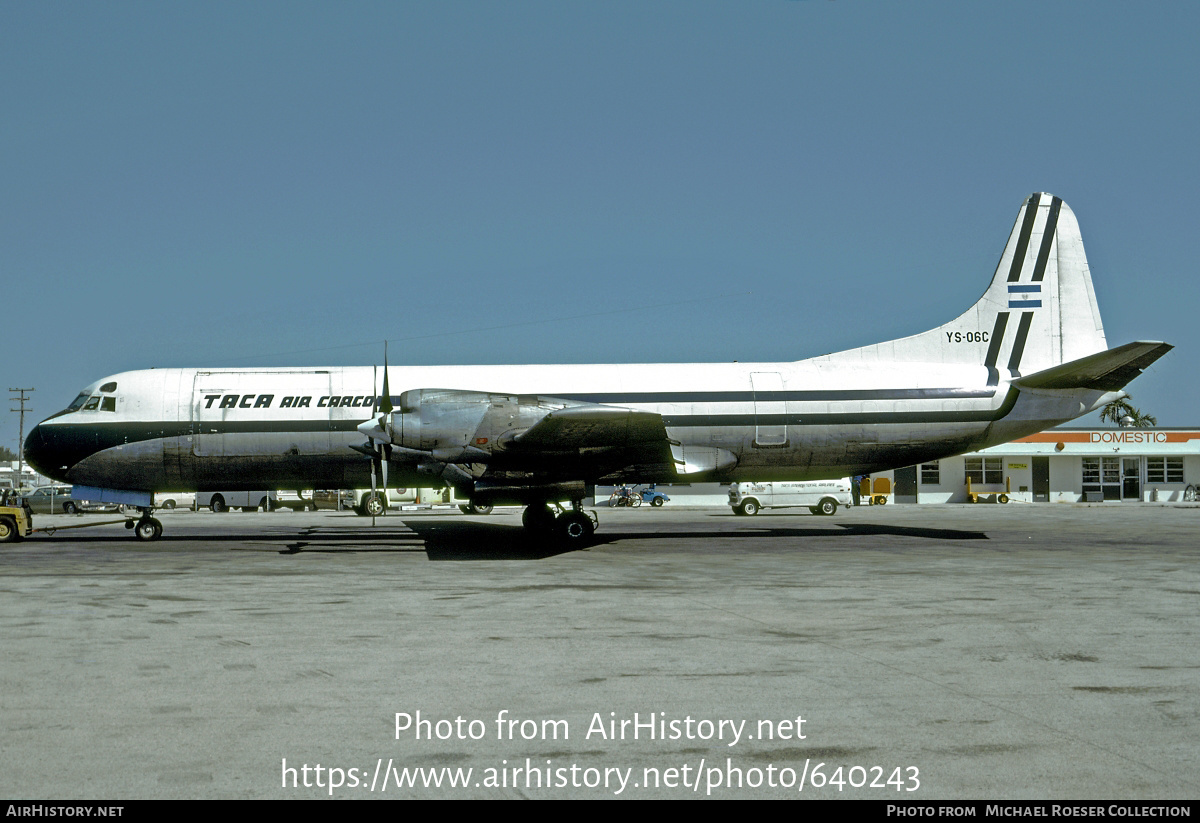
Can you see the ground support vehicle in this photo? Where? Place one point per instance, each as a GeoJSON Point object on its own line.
{"type": "Point", "coordinates": [16, 522]}
{"type": "Point", "coordinates": [818, 496]}
{"type": "Point", "coordinates": [653, 496]}
{"type": "Point", "coordinates": [876, 494]}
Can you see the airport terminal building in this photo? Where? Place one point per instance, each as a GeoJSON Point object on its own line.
{"type": "Point", "coordinates": [1055, 466]}
{"type": "Point", "coordinates": [1065, 466]}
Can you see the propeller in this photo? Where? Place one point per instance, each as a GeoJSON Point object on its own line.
{"type": "Point", "coordinates": [379, 447]}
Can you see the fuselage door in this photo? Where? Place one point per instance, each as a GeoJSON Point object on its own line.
{"type": "Point", "coordinates": [770, 409]}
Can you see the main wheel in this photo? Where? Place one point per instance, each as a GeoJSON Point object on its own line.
{"type": "Point", "coordinates": [537, 518]}
{"type": "Point", "coordinates": [748, 507]}
{"type": "Point", "coordinates": [575, 527]}
{"type": "Point", "coordinates": [217, 504]}
{"type": "Point", "coordinates": [827, 507]}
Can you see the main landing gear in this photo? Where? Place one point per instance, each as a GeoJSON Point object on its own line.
{"type": "Point", "coordinates": [572, 527]}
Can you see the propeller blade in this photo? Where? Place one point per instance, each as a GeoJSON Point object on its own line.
{"type": "Point", "coordinates": [385, 406]}
{"type": "Point", "coordinates": [373, 487]}
{"type": "Point", "coordinates": [383, 462]}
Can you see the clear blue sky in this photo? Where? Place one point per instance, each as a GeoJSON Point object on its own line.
{"type": "Point", "coordinates": [242, 184]}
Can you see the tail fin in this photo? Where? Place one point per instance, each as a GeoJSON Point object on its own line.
{"type": "Point", "coordinates": [1039, 311]}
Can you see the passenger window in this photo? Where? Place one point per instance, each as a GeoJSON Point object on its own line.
{"type": "Point", "coordinates": [91, 404]}
{"type": "Point", "coordinates": [108, 404]}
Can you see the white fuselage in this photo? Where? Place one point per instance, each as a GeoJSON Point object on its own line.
{"type": "Point", "coordinates": [231, 429]}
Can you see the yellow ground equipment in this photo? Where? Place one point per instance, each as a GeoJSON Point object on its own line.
{"type": "Point", "coordinates": [16, 521]}
{"type": "Point", "coordinates": [878, 495]}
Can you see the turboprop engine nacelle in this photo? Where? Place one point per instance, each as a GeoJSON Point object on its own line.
{"type": "Point", "coordinates": [454, 425]}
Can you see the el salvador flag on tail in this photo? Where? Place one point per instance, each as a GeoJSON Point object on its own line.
{"type": "Point", "coordinates": [1022, 296]}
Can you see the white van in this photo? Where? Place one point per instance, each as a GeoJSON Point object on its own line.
{"type": "Point", "coordinates": [246, 501]}
{"type": "Point", "coordinates": [818, 496]}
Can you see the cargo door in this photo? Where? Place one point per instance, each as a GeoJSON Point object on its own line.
{"type": "Point", "coordinates": [770, 410]}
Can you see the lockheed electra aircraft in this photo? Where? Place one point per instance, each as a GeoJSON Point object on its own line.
{"type": "Point", "coordinates": [1029, 355]}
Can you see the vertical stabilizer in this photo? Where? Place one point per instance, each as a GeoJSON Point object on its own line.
{"type": "Point", "coordinates": [1039, 311]}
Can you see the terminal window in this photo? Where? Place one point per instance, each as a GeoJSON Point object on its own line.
{"type": "Point", "coordinates": [1164, 469]}
{"type": "Point", "coordinates": [931, 474]}
{"type": "Point", "coordinates": [985, 469]}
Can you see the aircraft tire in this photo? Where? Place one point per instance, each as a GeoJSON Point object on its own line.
{"type": "Point", "coordinates": [147, 529]}
{"type": "Point", "coordinates": [749, 507]}
{"type": "Point", "coordinates": [574, 528]}
{"type": "Point", "coordinates": [538, 518]}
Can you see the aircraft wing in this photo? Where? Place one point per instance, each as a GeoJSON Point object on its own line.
{"type": "Point", "coordinates": [594, 426]}
{"type": "Point", "coordinates": [539, 436]}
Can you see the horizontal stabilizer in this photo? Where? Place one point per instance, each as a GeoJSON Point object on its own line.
{"type": "Point", "coordinates": [1104, 371]}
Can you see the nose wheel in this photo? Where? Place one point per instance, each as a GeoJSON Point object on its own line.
{"type": "Point", "coordinates": [146, 529]}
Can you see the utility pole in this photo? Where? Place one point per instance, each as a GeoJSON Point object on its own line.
{"type": "Point", "coordinates": [21, 438]}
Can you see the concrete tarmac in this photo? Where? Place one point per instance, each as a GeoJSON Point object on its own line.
{"type": "Point", "coordinates": [892, 653]}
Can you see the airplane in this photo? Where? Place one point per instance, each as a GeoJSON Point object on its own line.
{"type": "Point", "coordinates": [1029, 355]}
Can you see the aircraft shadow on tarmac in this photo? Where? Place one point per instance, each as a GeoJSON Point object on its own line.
{"type": "Point", "coordinates": [441, 539]}
{"type": "Point", "coordinates": [485, 541]}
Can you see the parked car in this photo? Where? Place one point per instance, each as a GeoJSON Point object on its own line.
{"type": "Point", "coordinates": [297, 501]}
{"type": "Point", "coordinates": [328, 499]}
{"type": "Point", "coordinates": [174, 500]}
{"type": "Point", "coordinates": [58, 500]}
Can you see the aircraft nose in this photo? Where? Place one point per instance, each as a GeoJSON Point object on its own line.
{"type": "Point", "coordinates": [41, 454]}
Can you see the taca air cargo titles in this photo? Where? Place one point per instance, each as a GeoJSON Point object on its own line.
{"type": "Point", "coordinates": [1029, 355]}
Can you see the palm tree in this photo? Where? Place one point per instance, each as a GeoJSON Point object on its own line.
{"type": "Point", "coordinates": [1123, 413]}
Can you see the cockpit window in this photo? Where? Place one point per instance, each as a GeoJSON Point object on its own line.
{"type": "Point", "coordinates": [111, 386]}
{"type": "Point", "coordinates": [108, 404]}
{"type": "Point", "coordinates": [91, 404]}
{"type": "Point", "coordinates": [77, 403]}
